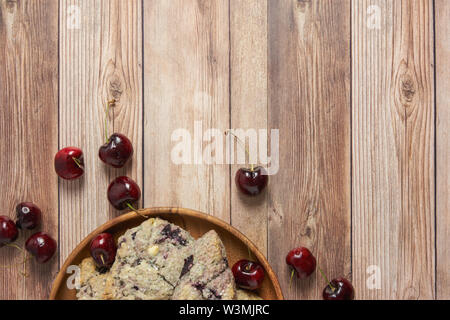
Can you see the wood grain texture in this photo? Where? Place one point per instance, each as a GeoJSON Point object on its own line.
{"type": "Point", "coordinates": [442, 23]}
{"type": "Point", "coordinates": [29, 131]}
{"type": "Point", "coordinates": [393, 148]}
{"type": "Point", "coordinates": [186, 79]}
{"type": "Point", "coordinates": [362, 181]}
{"type": "Point", "coordinates": [309, 101]}
{"type": "Point", "coordinates": [100, 60]}
{"type": "Point", "coordinates": [248, 67]}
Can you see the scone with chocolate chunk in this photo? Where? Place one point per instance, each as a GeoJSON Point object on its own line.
{"type": "Point", "coordinates": [149, 261]}
{"type": "Point", "coordinates": [221, 288]}
{"type": "Point", "coordinates": [208, 276]}
{"type": "Point", "coordinates": [159, 261]}
{"type": "Point", "coordinates": [140, 282]}
{"type": "Point", "coordinates": [92, 282]}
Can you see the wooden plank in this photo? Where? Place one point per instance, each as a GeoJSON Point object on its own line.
{"type": "Point", "coordinates": [186, 79]}
{"type": "Point", "coordinates": [29, 128]}
{"type": "Point", "coordinates": [393, 148]}
{"type": "Point", "coordinates": [248, 40]}
{"type": "Point", "coordinates": [309, 101]}
{"type": "Point", "coordinates": [101, 60]}
{"type": "Point", "coordinates": [442, 149]}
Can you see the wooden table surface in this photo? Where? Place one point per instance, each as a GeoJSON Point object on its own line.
{"type": "Point", "coordinates": [359, 91]}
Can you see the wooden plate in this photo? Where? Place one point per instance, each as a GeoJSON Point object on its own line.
{"type": "Point", "coordinates": [197, 223]}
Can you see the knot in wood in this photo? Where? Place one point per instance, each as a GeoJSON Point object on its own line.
{"type": "Point", "coordinates": [11, 4]}
{"type": "Point", "coordinates": [115, 88]}
{"type": "Point", "coordinates": [407, 88]}
{"type": "Point", "coordinates": [302, 4]}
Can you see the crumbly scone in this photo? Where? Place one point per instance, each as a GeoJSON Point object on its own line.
{"type": "Point", "coordinates": [92, 282]}
{"type": "Point", "coordinates": [150, 261]}
{"type": "Point", "coordinates": [158, 261]}
{"type": "Point", "coordinates": [162, 244]}
{"type": "Point", "coordinates": [209, 263]}
{"type": "Point", "coordinates": [140, 282]}
{"type": "Point", "coordinates": [221, 288]}
{"type": "Point", "coordinates": [246, 295]}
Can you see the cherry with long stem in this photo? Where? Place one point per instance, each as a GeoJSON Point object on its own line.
{"type": "Point", "coordinates": [253, 181]}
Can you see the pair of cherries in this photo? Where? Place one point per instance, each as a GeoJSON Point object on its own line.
{"type": "Point", "coordinates": [303, 263]}
{"type": "Point", "coordinates": [40, 245]}
{"type": "Point", "coordinates": [69, 162]}
{"type": "Point", "coordinates": [123, 191]}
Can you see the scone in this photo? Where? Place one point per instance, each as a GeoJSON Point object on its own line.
{"type": "Point", "coordinates": [221, 288]}
{"type": "Point", "coordinates": [149, 262]}
{"type": "Point", "coordinates": [246, 295]}
{"type": "Point", "coordinates": [92, 282]}
{"type": "Point", "coordinates": [208, 276]}
{"type": "Point", "coordinates": [140, 282]}
{"type": "Point", "coordinates": [159, 261]}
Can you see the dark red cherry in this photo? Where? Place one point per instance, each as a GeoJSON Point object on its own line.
{"type": "Point", "coordinates": [28, 215]}
{"type": "Point", "coordinates": [117, 151]}
{"type": "Point", "coordinates": [302, 261]}
{"type": "Point", "coordinates": [248, 274]}
{"type": "Point", "coordinates": [69, 163]}
{"type": "Point", "coordinates": [339, 289]}
{"type": "Point", "coordinates": [123, 192]}
{"type": "Point", "coordinates": [251, 181]}
{"type": "Point", "coordinates": [8, 231]}
{"type": "Point", "coordinates": [42, 246]}
{"type": "Point", "coordinates": [103, 250]}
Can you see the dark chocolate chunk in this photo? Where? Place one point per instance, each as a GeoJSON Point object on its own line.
{"type": "Point", "coordinates": [174, 235]}
{"type": "Point", "coordinates": [188, 262]}
{"type": "Point", "coordinates": [214, 295]}
{"type": "Point", "coordinates": [199, 286]}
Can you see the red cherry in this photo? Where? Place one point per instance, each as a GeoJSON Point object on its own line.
{"type": "Point", "coordinates": [28, 215]}
{"type": "Point", "coordinates": [339, 289]}
{"type": "Point", "coordinates": [117, 151]}
{"type": "Point", "coordinates": [122, 192]}
{"type": "Point", "coordinates": [8, 231]}
{"type": "Point", "coordinates": [302, 261]}
{"type": "Point", "coordinates": [248, 274]}
{"type": "Point", "coordinates": [251, 181]}
{"type": "Point", "coordinates": [103, 250]}
{"type": "Point", "coordinates": [42, 246]}
{"type": "Point", "coordinates": [69, 163]}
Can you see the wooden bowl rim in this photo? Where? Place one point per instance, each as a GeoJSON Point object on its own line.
{"type": "Point", "coordinates": [168, 210]}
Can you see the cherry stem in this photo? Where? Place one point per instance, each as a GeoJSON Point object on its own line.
{"type": "Point", "coordinates": [136, 211]}
{"type": "Point", "coordinates": [78, 163]}
{"type": "Point", "coordinates": [227, 132]}
{"type": "Point", "coordinates": [103, 259]}
{"type": "Point", "coordinates": [25, 258]}
{"type": "Point", "coordinates": [326, 279]}
{"type": "Point", "coordinates": [110, 104]}
{"type": "Point", "coordinates": [12, 245]}
{"type": "Point", "coordinates": [292, 276]}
